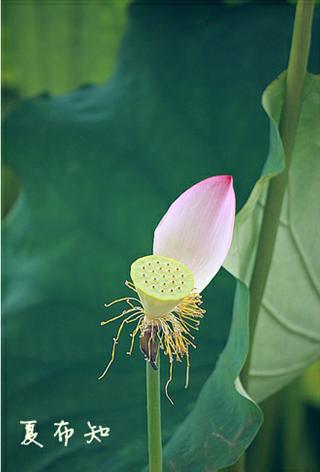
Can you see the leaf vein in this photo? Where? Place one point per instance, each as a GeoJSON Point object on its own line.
{"type": "Point", "coordinates": [284, 371]}
{"type": "Point", "coordinates": [290, 326]}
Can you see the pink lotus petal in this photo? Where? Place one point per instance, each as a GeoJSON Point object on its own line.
{"type": "Point", "coordinates": [197, 228]}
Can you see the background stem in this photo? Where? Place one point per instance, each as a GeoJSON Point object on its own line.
{"type": "Point", "coordinates": [268, 439]}
{"type": "Point", "coordinates": [154, 417]}
{"type": "Point", "coordinates": [293, 428]}
{"type": "Point", "coordinates": [296, 73]}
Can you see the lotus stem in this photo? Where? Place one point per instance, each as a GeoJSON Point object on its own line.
{"type": "Point", "coordinates": [154, 417]}
{"type": "Point", "coordinates": [297, 69]}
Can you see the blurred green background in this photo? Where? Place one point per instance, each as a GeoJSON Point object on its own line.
{"type": "Point", "coordinates": [56, 46]}
{"type": "Point", "coordinates": [97, 168]}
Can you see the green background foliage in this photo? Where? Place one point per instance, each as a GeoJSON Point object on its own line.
{"type": "Point", "coordinates": [58, 45]}
{"type": "Point", "coordinates": [97, 169]}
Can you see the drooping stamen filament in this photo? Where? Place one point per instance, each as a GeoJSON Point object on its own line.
{"type": "Point", "coordinates": [164, 319]}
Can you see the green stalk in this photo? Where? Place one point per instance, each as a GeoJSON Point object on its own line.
{"type": "Point", "coordinates": [154, 418]}
{"type": "Point", "coordinates": [296, 73]}
{"type": "Point", "coordinates": [264, 445]}
{"type": "Point", "coordinates": [293, 426]}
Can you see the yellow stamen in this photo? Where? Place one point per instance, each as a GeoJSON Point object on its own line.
{"type": "Point", "coordinates": [187, 370]}
{"type": "Point", "coordinates": [169, 329]}
{"type": "Point", "coordinates": [125, 312]}
{"type": "Point", "coordinates": [169, 381]}
{"type": "Point", "coordinates": [115, 342]}
{"type": "Point", "coordinates": [133, 335]}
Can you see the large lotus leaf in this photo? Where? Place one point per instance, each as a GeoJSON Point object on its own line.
{"type": "Point", "coordinates": [287, 337]}
{"type": "Point", "coordinates": [204, 431]}
{"type": "Point", "coordinates": [97, 170]}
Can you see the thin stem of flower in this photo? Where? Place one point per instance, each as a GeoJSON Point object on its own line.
{"type": "Point", "coordinates": [154, 417]}
{"type": "Point", "coordinates": [296, 73]}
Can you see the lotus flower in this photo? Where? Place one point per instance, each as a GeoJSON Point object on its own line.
{"type": "Point", "coordinates": [190, 245]}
